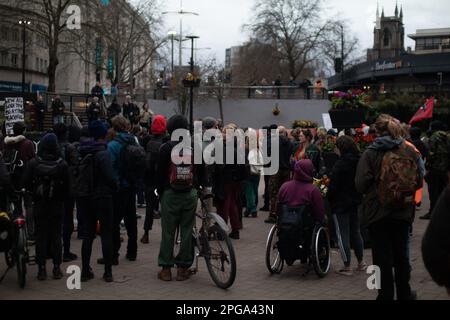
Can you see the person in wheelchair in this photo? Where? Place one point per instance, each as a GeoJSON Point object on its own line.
{"type": "Point", "coordinates": [300, 208]}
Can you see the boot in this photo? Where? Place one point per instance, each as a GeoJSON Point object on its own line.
{"type": "Point", "coordinates": [144, 238]}
{"type": "Point", "coordinates": [42, 273]}
{"type": "Point", "coordinates": [107, 276]}
{"type": "Point", "coordinates": [183, 274]}
{"type": "Point", "coordinates": [57, 273]}
{"type": "Point", "coordinates": [87, 274]}
{"type": "Point", "coordinates": [165, 274]}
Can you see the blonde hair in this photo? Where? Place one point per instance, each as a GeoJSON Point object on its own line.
{"type": "Point", "coordinates": [387, 125]}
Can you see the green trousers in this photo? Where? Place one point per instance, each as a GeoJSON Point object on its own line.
{"type": "Point", "coordinates": [177, 210]}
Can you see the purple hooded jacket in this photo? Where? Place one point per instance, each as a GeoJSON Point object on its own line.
{"type": "Point", "coordinates": [301, 191]}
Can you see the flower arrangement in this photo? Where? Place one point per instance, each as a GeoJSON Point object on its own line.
{"type": "Point", "coordinates": [329, 145]}
{"type": "Point", "coordinates": [322, 184]}
{"type": "Point", "coordinates": [304, 124]}
{"type": "Point", "coordinates": [364, 141]}
{"type": "Point", "coordinates": [191, 80]}
{"type": "Point", "coordinates": [352, 99]}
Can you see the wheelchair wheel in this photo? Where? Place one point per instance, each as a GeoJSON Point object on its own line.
{"type": "Point", "coordinates": [219, 256]}
{"type": "Point", "coordinates": [320, 253]}
{"type": "Point", "coordinates": [274, 262]}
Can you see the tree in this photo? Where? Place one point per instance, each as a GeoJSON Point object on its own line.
{"type": "Point", "coordinates": [293, 27]}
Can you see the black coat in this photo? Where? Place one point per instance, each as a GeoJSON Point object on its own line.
{"type": "Point", "coordinates": [131, 112]}
{"type": "Point", "coordinates": [40, 108]}
{"type": "Point", "coordinates": [58, 107]}
{"type": "Point", "coordinates": [114, 110]}
{"type": "Point", "coordinates": [436, 242]}
{"type": "Point", "coordinates": [342, 192]}
{"type": "Point", "coordinates": [93, 111]}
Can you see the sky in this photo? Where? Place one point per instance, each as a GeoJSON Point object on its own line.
{"type": "Point", "coordinates": [219, 24]}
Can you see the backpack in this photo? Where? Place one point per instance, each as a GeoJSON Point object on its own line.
{"type": "Point", "coordinates": [83, 176]}
{"type": "Point", "coordinates": [293, 224]}
{"type": "Point", "coordinates": [398, 178]}
{"type": "Point", "coordinates": [132, 162]}
{"type": "Point", "coordinates": [439, 155]}
{"type": "Point", "coordinates": [181, 176]}
{"type": "Point", "coordinates": [152, 154]}
{"type": "Point", "coordinates": [47, 180]}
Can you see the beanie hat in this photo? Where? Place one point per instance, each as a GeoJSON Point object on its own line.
{"type": "Point", "coordinates": [177, 122]}
{"type": "Point", "coordinates": [209, 123]}
{"type": "Point", "coordinates": [49, 143]}
{"type": "Point", "coordinates": [97, 129]}
{"type": "Point", "coordinates": [159, 125]}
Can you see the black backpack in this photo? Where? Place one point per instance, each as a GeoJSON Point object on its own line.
{"type": "Point", "coordinates": [47, 179]}
{"type": "Point", "coordinates": [293, 224]}
{"type": "Point", "coordinates": [152, 154]}
{"type": "Point", "coordinates": [83, 176]}
{"type": "Point", "coordinates": [132, 162]}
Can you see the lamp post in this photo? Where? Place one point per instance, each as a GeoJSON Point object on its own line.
{"type": "Point", "coordinates": [197, 49]}
{"type": "Point", "coordinates": [172, 35]}
{"type": "Point", "coordinates": [342, 52]}
{"type": "Point", "coordinates": [24, 24]}
{"type": "Point", "coordinates": [191, 89]}
{"type": "Point", "coordinates": [181, 13]}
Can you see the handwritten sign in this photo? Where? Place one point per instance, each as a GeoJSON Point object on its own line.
{"type": "Point", "coordinates": [14, 112]}
{"type": "Point", "coordinates": [327, 121]}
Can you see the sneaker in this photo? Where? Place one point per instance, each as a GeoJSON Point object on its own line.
{"type": "Point", "coordinates": [138, 216]}
{"type": "Point", "coordinates": [156, 215]}
{"type": "Point", "coordinates": [57, 273]}
{"type": "Point", "coordinates": [141, 206]}
{"type": "Point", "coordinates": [345, 272]}
{"type": "Point", "coordinates": [87, 275]}
{"type": "Point", "coordinates": [42, 273]}
{"type": "Point", "coordinates": [144, 239]}
{"type": "Point", "coordinates": [255, 214]}
{"type": "Point", "coordinates": [246, 214]}
{"type": "Point", "coordinates": [426, 217]}
{"type": "Point", "coordinates": [183, 274]}
{"type": "Point", "coordinates": [362, 267]}
{"type": "Point", "coordinates": [165, 274]}
{"type": "Point", "coordinates": [67, 257]}
{"type": "Point", "coordinates": [264, 209]}
{"type": "Point", "coordinates": [234, 235]}
{"type": "Point", "coordinates": [131, 257]}
{"type": "Point", "coordinates": [107, 276]}
{"type": "Point", "coordinates": [115, 261]}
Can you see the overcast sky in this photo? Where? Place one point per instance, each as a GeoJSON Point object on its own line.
{"type": "Point", "coordinates": [220, 21]}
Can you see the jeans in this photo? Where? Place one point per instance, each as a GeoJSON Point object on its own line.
{"type": "Point", "coordinates": [140, 192]}
{"type": "Point", "coordinates": [58, 119]}
{"type": "Point", "coordinates": [177, 210]}
{"type": "Point", "coordinates": [93, 211]}
{"type": "Point", "coordinates": [390, 240]}
{"type": "Point", "coordinates": [350, 233]}
{"type": "Point", "coordinates": [48, 217]}
{"type": "Point", "coordinates": [152, 204]}
{"type": "Point", "coordinates": [124, 203]}
{"type": "Point", "coordinates": [230, 208]}
{"type": "Point", "coordinates": [251, 193]}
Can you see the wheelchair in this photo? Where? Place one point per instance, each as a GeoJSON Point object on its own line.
{"type": "Point", "coordinates": [296, 236]}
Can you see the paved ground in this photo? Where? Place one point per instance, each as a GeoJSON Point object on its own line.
{"type": "Point", "coordinates": [138, 280]}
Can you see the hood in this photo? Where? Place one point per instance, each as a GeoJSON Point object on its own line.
{"type": "Point", "coordinates": [14, 140]}
{"type": "Point", "coordinates": [48, 147]}
{"type": "Point", "coordinates": [159, 125]}
{"type": "Point", "coordinates": [88, 146]}
{"type": "Point", "coordinates": [304, 170]}
{"type": "Point", "coordinates": [386, 143]}
{"type": "Point", "coordinates": [125, 137]}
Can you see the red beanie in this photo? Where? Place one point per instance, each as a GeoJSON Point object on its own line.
{"type": "Point", "coordinates": [159, 125]}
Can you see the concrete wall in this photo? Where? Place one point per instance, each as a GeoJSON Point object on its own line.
{"type": "Point", "coordinates": [252, 112]}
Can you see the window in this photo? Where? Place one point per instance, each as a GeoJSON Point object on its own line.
{"type": "Point", "coordinates": [4, 33]}
{"type": "Point", "coordinates": [387, 38]}
{"type": "Point", "coordinates": [420, 42]}
{"type": "Point", "coordinates": [14, 59]}
{"type": "Point", "coordinates": [4, 58]}
{"type": "Point", "coordinates": [15, 35]}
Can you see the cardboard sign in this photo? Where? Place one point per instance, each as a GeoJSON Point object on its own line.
{"type": "Point", "coordinates": [327, 121]}
{"type": "Point", "coordinates": [14, 112]}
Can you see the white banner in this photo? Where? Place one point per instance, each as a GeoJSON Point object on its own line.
{"type": "Point", "coordinates": [327, 121]}
{"type": "Point", "coordinates": [14, 112]}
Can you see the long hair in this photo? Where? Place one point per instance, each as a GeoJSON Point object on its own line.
{"type": "Point", "coordinates": [387, 125]}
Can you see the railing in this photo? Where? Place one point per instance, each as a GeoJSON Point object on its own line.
{"type": "Point", "coordinates": [248, 92]}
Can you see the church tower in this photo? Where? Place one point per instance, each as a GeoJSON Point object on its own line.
{"type": "Point", "coordinates": [389, 36]}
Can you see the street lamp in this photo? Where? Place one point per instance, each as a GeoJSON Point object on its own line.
{"type": "Point", "coordinates": [172, 35]}
{"type": "Point", "coordinates": [198, 49]}
{"type": "Point", "coordinates": [24, 23]}
{"type": "Point", "coordinates": [181, 13]}
{"type": "Point", "coordinates": [191, 89]}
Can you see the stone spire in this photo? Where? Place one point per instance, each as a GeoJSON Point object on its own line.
{"type": "Point", "coordinates": [382, 13]}
{"type": "Point", "coordinates": [401, 13]}
{"type": "Point", "coordinates": [396, 9]}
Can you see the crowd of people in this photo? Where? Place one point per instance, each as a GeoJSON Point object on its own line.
{"type": "Point", "coordinates": [108, 167]}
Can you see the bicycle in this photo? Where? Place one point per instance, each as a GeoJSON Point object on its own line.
{"type": "Point", "coordinates": [211, 242]}
{"type": "Point", "coordinates": [17, 253]}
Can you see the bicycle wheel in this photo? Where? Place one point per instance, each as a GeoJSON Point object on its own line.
{"type": "Point", "coordinates": [21, 257]}
{"type": "Point", "coordinates": [274, 263]}
{"type": "Point", "coordinates": [219, 256]}
{"type": "Point", "coordinates": [321, 251]}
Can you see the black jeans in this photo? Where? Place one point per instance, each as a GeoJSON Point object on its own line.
{"type": "Point", "coordinates": [140, 192]}
{"type": "Point", "coordinates": [69, 205]}
{"type": "Point", "coordinates": [152, 204]}
{"type": "Point", "coordinates": [436, 184]}
{"type": "Point", "coordinates": [93, 210]}
{"type": "Point", "coordinates": [48, 219]}
{"type": "Point", "coordinates": [124, 204]}
{"type": "Point", "coordinates": [350, 233]}
{"type": "Point", "coordinates": [390, 240]}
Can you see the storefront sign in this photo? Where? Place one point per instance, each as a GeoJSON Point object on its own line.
{"type": "Point", "coordinates": [387, 66]}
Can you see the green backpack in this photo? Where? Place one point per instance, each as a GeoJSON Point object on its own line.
{"type": "Point", "coordinates": [439, 154]}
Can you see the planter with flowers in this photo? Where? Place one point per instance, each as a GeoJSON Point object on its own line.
{"type": "Point", "coordinates": [191, 80]}
{"type": "Point", "coordinates": [304, 124]}
{"type": "Point", "coordinates": [349, 109]}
